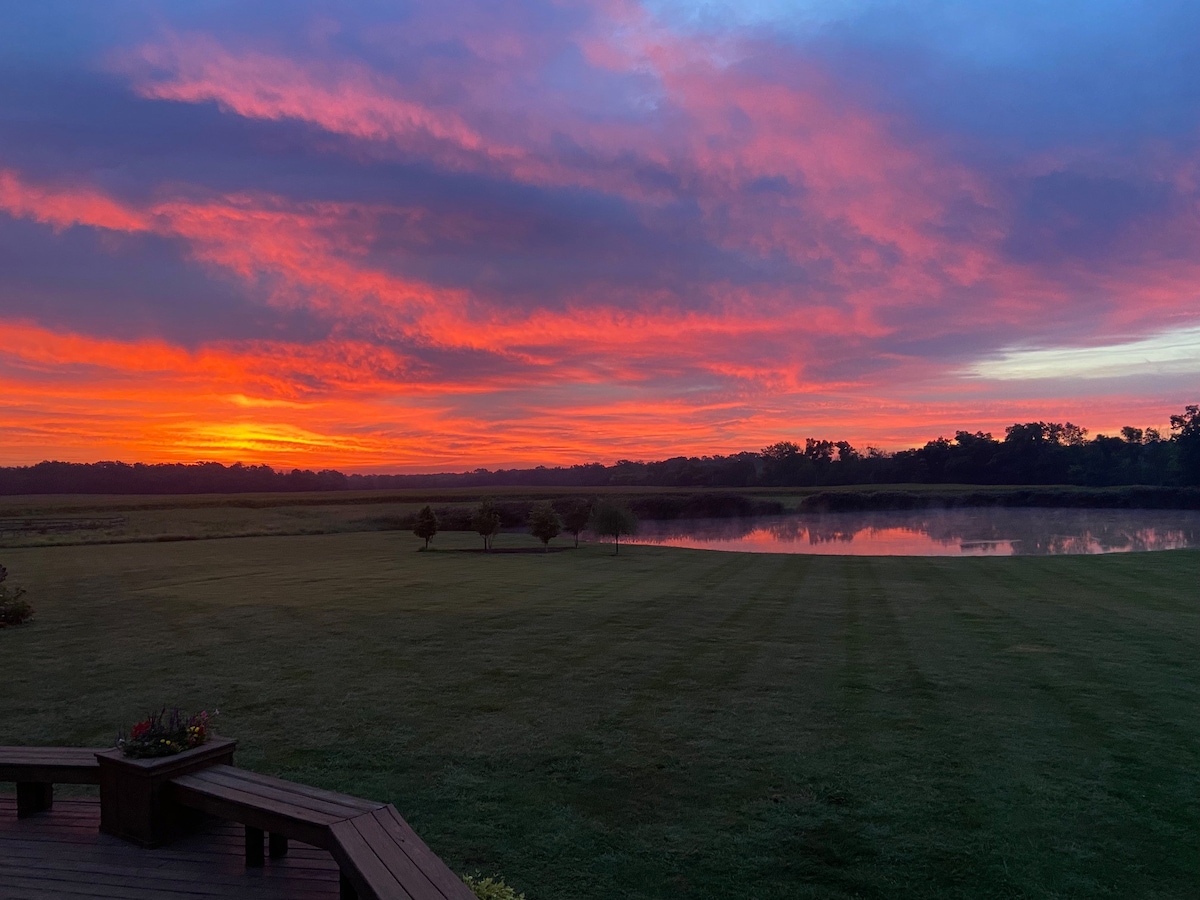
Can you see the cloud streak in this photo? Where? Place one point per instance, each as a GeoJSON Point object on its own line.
{"type": "Point", "coordinates": [1170, 353]}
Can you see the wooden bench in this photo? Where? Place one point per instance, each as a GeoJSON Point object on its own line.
{"type": "Point", "coordinates": [37, 769]}
{"type": "Point", "coordinates": [379, 855]}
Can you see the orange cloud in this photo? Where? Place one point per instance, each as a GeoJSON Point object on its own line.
{"type": "Point", "coordinates": [148, 401]}
{"type": "Point", "coordinates": [308, 247]}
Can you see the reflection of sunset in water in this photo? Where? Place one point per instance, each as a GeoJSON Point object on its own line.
{"type": "Point", "coordinates": [874, 542]}
{"type": "Point", "coordinates": [962, 532]}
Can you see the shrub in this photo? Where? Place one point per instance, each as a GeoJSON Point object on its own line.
{"type": "Point", "coordinates": [13, 610]}
{"type": "Point", "coordinates": [491, 888]}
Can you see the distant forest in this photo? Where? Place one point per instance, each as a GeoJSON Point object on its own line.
{"type": "Point", "coordinates": [1033, 453]}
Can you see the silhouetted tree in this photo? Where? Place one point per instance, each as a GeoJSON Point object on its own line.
{"type": "Point", "coordinates": [486, 522]}
{"type": "Point", "coordinates": [1186, 428]}
{"type": "Point", "coordinates": [820, 452]}
{"type": "Point", "coordinates": [427, 525]}
{"type": "Point", "coordinates": [611, 519]}
{"type": "Point", "coordinates": [544, 523]}
{"type": "Point", "coordinates": [783, 463]}
{"type": "Point", "coordinates": [576, 519]}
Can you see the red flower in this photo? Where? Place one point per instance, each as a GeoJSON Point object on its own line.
{"type": "Point", "coordinates": [139, 729]}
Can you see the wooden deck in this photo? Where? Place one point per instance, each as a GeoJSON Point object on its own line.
{"type": "Point", "coordinates": [61, 853]}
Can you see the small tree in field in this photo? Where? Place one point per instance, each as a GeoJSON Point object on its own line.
{"type": "Point", "coordinates": [576, 520]}
{"type": "Point", "coordinates": [427, 525]}
{"type": "Point", "coordinates": [486, 521]}
{"type": "Point", "coordinates": [544, 523]}
{"type": "Point", "coordinates": [610, 519]}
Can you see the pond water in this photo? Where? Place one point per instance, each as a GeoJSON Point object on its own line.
{"type": "Point", "coordinates": [955, 532]}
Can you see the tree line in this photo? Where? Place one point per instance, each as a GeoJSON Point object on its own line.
{"type": "Point", "coordinates": [1028, 453]}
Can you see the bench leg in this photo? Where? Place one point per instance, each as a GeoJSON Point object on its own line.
{"type": "Point", "coordinates": [33, 797]}
{"type": "Point", "coordinates": [346, 889]}
{"type": "Point", "coordinates": [254, 846]}
{"type": "Point", "coordinates": [277, 845]}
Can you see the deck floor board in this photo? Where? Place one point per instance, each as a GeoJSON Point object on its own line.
{"type": "Point", "coordinates": [61, 853]}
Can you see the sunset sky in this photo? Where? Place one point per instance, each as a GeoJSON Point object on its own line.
{"type": "Point", "coordinates": [428, 236]}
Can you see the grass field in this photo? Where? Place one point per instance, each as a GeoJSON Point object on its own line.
{"type": "Point", "coordinates": [667, 723]}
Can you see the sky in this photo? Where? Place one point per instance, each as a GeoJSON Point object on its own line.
{"type": "Point", "coordinates": [429, 236]}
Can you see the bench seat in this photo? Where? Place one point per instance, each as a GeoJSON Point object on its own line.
{"type": "Point", "coordinates": [37, 769]}
{"type": "Point", "coordinates": [382, 857]}
{"type": "Point", "coordinates": [268, 804]}
{"type": "Point", "coordinates": [379, 855]}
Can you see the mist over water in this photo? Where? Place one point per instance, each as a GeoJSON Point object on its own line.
{"type": "Point", "coordinates": [957, 532]}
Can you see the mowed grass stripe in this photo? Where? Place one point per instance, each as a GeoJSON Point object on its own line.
{"type": "Point", "coordinates": [1057, 688]}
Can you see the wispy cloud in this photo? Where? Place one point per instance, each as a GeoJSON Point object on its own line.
{"type": "Point", "coordinates": [1169, 353]}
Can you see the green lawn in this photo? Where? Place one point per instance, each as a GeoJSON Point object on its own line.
{"type": "Point", "coordinates": [667, 723]}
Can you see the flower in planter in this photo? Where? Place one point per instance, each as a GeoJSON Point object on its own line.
{"type": "Point", "coordinates": [165, 733]}
{"type": "Point", "coordinates": [197, 729]}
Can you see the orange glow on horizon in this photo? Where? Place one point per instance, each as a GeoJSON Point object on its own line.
{"type": "Point", "coordinates": [145, 401]}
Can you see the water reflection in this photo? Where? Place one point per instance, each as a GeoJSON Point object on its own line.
{"type": "Point", "coordinates": [958, 532]}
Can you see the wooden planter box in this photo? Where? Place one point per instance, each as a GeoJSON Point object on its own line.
{"type": "Point", "coordinates": [135, 803]}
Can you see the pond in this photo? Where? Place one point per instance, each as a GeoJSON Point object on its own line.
{"type": "Point", "coordinates": [954, 532]}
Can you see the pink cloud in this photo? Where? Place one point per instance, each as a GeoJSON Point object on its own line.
{"type": "Point", "coordinates": [902, 249]}
{"type": "Point", "coordinates": [62, 208]}
{"type": "Point", "coordinates": [346, 98]}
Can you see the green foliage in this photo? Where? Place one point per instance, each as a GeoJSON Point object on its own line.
{"type": "Point", "coordinates": [544, 523]}
{"type": "Point", "coordinates": [427, 525]}
{"type": "Point", "coordinates": [576, 519]}
{"type": "Point", "coordinates": [611, 520]}
{"type": "Point", "coordinates": [491, 888]}
{"type": "Point", "coordinates": [1187, 435]}
{"type": "Point", "coordinates": [486, 521]}
{"type": "Point", "coordinates": [13, 610]}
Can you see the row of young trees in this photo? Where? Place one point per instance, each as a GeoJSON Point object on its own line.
{"type": "Point", "coordinates": [603, 519]}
